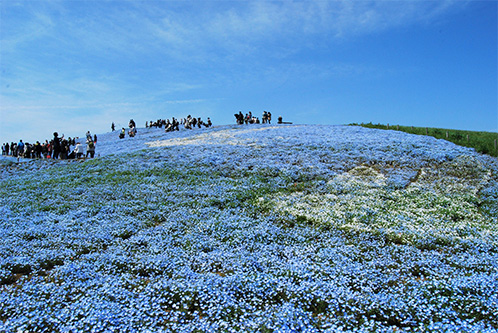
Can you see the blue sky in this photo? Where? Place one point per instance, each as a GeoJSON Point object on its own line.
{"type": "Point", "coordinates": [73, 66]}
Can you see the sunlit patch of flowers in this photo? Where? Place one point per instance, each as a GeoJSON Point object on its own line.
{"type": "Point", "coordinates": [264, 229]}
{"type": "Point", "coordinates": [441, 204]}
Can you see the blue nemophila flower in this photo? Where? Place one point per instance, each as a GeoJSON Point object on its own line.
{"type": "Point", "coordinates": [286, 229]}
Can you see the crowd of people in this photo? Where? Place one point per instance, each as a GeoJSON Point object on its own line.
{"type": "Point", "coordinates": [57, 148]}
{"type": "Point", "coordinates": [250, 119]}
{"type": "Point", "coordinates": [174, 125]}
{"type": "Point", "coordinates": [61, 148]}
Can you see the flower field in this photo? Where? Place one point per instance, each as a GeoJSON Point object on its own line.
{"type": "Point", "coordinates": [258, 228]}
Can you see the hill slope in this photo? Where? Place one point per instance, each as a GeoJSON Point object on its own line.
{"type": "Point", "coordinates": [255, 228]}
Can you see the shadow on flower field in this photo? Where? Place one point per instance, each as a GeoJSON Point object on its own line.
{"type": "Point", "coordinates": [272, 229]}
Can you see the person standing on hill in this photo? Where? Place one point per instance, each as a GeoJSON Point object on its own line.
{"type": "Point", "coordinates": [64, 149]}
{"type": "Point", "coordinates": [113, 127]}
{"type": "Point", "coordinates": [45, 149]}
{"type": "Point", "coordinates": [50, 149]}
{"type": "Point", "coordinates": [56, 146]}
{"type": "Point", "coordinates": [38, 149]}
{"type": "Point", "coordinates": [90, 148]}
{"type": "Point", "coordinates": [175, 124]}
{"type": "Point", "coordinates": [132, 132]}
{"type": "Point", "coordinates": [20, 149]}
{"type": "Point", "coordinates": [13, 149]}
{"type": "Point", "coordinates": [239, 117]}
{"type": "Point", "coordinates": [78, 150]}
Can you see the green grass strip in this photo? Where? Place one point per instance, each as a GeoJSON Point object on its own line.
{"type": "Point", "coordinates": [482, 142]}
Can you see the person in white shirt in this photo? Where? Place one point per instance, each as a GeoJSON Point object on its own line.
{"type": "Point", "coordinates": [78, 150]}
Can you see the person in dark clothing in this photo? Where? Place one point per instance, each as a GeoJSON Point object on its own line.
{"type": "Point", "coordinates": [90, 148]}
{"type": "Point", "coordinates": [27, 151]}
{"type": "Point", "coordinates": [64, 149]}
{"type": "Point", "coordinates": [56, 146]}
{"type": "Point", "coordinates": [240, 118]}
{"type": "Point", "coordinates": [113, 127]}
{"type": "Point", "coordinates": [45, 149]}
{"type": "Point", "coordinates": [132, 132]}
{"type": "Point", "coordinates": [20, 149]}
{"type": "Point", "coordinates": [13, 149]}
{"type": "Point", "coordinates": [188, 122]}
{"type": "Point", "coordinates": [168, 126]}
{"type": "Point", "coordinates": [38, 149]}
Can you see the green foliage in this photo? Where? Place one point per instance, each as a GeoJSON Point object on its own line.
{"type": "Point", "coordinates": [482, 142]}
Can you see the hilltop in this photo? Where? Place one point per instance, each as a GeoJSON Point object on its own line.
{"type": "Point", "coordinates": [253, 228]}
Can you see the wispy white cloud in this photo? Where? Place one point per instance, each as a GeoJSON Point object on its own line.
{"type": "Point", "coordinates": [192, 31]}
{"type": "Point", "coordinates": [115, 57]}
{"type": "Point", "coordinates": [208, 31]}
{"type": "Point", "coordinates": [132, 26]}
{"type": "Point", "coordinates": [13, 35]}
{"type": "Point", "coordinates": [292, 21]}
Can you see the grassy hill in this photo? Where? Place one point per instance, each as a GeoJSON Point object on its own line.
{"type": "Point", "coordinates": [252, 228]}
{"type": "Point", "coordinates": [482, 142]}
